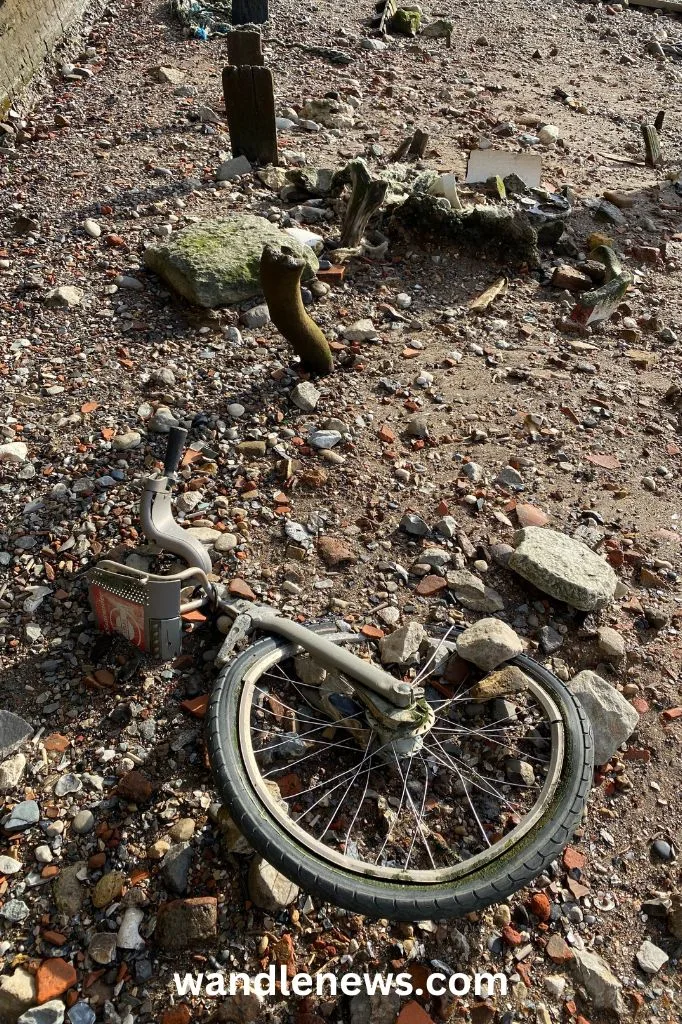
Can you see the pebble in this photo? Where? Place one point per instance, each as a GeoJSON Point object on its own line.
{"type": "Point", "coordinates": [162, 421]}
{"type": "Point", "coordinates": [22, 816]}
{"type": "Point", "coordinates": [268, 888]}
{"type": "Point", "coordinates": [256, 317]}
{"type": "Point", "coordinates": [102, 947]}
{"type": "Point", "coordinates": [651, 957]}
{"type": "Point", "coordinates": [83, 822]}
{"type": "Point", "coordinates": [11, 772]}
{"type": "Point", "coordinates": [128, 936]}
{"type": "Point", "coordinates": [51, 1012]}
{"type": "Point", "coordinates": [92, 228]}
{"type": "Point", "coordinates": [305, 396]}
{"type": "Point", "coordinates": [660, 849]}
{"type": "Point", "coordinates": [324, 438]}
{"type": "Point", "coordinates": [8, 865]}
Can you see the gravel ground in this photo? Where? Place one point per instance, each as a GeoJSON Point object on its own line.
{"type": "Point", "coordinates": [584, 427]}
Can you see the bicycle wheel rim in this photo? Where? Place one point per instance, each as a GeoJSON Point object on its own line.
{"type": "Point", "coordinates": [453, 874]}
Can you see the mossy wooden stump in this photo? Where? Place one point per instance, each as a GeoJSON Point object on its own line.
{"type": "Point", "coordinates": [280, 274]}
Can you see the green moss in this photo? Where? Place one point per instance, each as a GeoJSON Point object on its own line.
{"type": "Point", "coordinates": [406, 20]}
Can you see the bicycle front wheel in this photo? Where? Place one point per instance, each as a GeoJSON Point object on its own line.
{"type": "Point", "coordinates": [466, 810]}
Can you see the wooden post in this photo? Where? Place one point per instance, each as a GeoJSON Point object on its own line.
{"type": "Point", "coordinates": [250, 105]}
{"type": "Point", "coordinates": [249, 12]}
{"type": "Point", "coordinates": [244, 47]}
{"type": "Point", "coordinates": [420, 141]}
{"type": "Point", "coordinates": [652, 145]}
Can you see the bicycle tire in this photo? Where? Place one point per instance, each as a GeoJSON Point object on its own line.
{"type": "Point", "coordinates": [514, 869]}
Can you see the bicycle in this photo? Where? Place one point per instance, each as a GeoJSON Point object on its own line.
{"type": "Point", "coordinates": [410, 799]}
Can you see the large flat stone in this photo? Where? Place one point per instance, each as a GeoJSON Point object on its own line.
{"type": "Point", "coordinates": [215, 263]}
{"type": "Point", "coordinates": [564, 568]}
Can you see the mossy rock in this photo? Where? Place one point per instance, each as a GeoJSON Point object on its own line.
{"type": "Point", "coordinates": [406, 20]}
{"type": "Point", "coordinates": [216, 263]}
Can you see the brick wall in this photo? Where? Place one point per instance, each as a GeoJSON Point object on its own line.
{"type": "Point", "coordinates": [29, 29]}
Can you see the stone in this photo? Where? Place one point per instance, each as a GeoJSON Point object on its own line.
{"type": "Point", "coordinates": [519, 771]}
{"type": "Point", "coordinates": [268, 888]}
{"type": "Point", "coordinates": [14, 911]}
{"type": "Point", "coordinates": [183, 830]}
{"type": "Point", "coordinates": [335, 553]}
{"type": "Point", "coordinates": [611, 643]}
{"type": "Point", "coordinates": [252, 449]}
{"type": "Point", "coordinates": [125, 442]}
{"type": "Point", "coordinates": [82, 1013]}
{"type": "Point", "coordinates": [659, 848]}
{"type": "Point", "coordinates": [68, 891]}
{"type": "Point", "coordinates": [169, 76]}
{"type": "Point", "coordinates": [488, 643]}
{"type": "Point", "coordinates": [472, 593]}
{"type": "Point", "coordinates": [401, 647]}
{"type": "Point", "coordinates": [51, 1012]}
{"type": "Point", "coordinates": [429, 586]}
{"type": "Point", "coordinates": [414, 525]}
{"type": "Point", "coordinates": [508, 679]}
{"type": "Point", "coordinates": [247, 1008]}
{"type": "Point", "coordinates": [14, 452]}
{"type": "Point", "coordinates": [509, 478]}
{"type": "Point", "coordinates": [175, 868]}
{"type": "Point", "coordinates": [186, 924]}
{"type": "Point", "coordinates": [598, 980]}
{"type": "Point", "coordinates": [305, 396]}
{"type": "Point", "coordinates": [11, 772]}
{"type": "Point", "coordinates": [558, 950]}
{"type": "Point", "coordinates": [256, 317]}
{"type": "Point", "coordinates": [230, 169]}
{"type": "Point", "coordinates": [550, 640]}
{"type": "Point", "coordinates": [441, 28]}
{"type": "Point", "coordinates": [128, 281]}
{"type": "Point", "coordinates": [14, 733]}
{"type": "Point", "coordinates": [102, 947]}
{"type": "Point", "coordinates": [128, 935]}
{"type": "Point", "coordinates": [83, 822]}
{"type": "Point", "coordinates": [17, 993]}
{"type": "Point", "coordinates": [108, 889]}
{"type": "Point", "coordinates": [215, 263]}
{"type": "Point", "coordinates": [324, 439]}
{"type": "Point", "coordinates": [226, 542]}
{"type": "Point", "coordinates": [418, 426]}
{"type": "Point", "coordinates": [548, 135]}
{"type": "Point", "coordinates": [162, 421]}
{"type": "Point", "coordinates": [53, 978]}
{"type": "Point", "coordinates": [135, 787]}
{"type": "Point", "coordinates": [570, 278]}
{"type": "Point", "coordinates": [564, 568]}
{"type": "Point", "coordinates": [65, 295]}
{"type": "Point", "coordinates": [612, 718]}
{"type": "Point", "coordinates": [651, 957]}
{"type": "Point", "coordinates": [375, 1008]}
{"type": "Point", "coordinates": [447, 527]}
{"type": "Point", "coordinates": [92, 228]}
{"type": "Point", "coordinates": [22, 816]}
{"type": "Point", "coordinates": [361, 330]}
{"type": "Point", "coordinates": [8, 865]}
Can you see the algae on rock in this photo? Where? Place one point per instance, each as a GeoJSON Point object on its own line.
{"type": "Point", "coordinates": [215, 263]}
